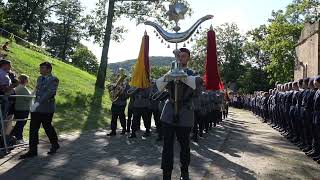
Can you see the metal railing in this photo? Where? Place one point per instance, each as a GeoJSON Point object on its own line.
{"type": "Point", "coordinates": [2, 121]}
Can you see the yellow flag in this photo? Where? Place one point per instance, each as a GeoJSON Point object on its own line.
{"type": "Point", "coordinates": [141, 74]}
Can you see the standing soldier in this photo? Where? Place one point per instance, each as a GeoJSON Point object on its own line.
{"type": "Point", "coordinates": [302, 98]}
{"type": "Point", "coordinates": [130, 114]}
{"type": "Point", "coordinates": [42, 111]}
{"type": "Point", "coordinates": [316, 121]}
{"type": "Point", "coordinates": [310, 108]}
{"type": "Point", "coordinates": [154, 108]}
{"type": "Point", "coordinates": [141, 104]}
{"type": "Point", "coordinates": [293, 112]}
{"type": "Point", "coordinates": [117, 110]}
{"type": "Point", "coordinates": [306, 116]}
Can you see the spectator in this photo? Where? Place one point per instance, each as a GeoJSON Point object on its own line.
{"type": "Point", "coordinates": [5, 47]}
{"type": "Point", "coordinates": [11, 91]}
{"type": "Point", "coordinates": [22, 107]}
{"type": "Point", "coordinates": [5, 87]}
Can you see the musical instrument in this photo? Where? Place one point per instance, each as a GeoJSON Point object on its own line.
{"type": "Point", "coordinates": [115, 90]}
{"type": "Point", "coordinates": [132, 90]}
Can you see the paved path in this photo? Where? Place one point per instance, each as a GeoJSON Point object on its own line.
{"type": "Point", "coordinates": [242, 148]}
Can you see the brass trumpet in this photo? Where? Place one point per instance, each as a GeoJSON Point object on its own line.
{"type": "Point", "coordinates": [132, 90]}
{"type": "Point", "coordinates": [159, 95]}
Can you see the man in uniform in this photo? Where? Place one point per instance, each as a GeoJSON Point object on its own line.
{"type": "Point", "coordinates": [154, 109]}
{"type": "Point", "coordinates": [309, 121]}
{"type": "Point", "coordinates": [307, 116]}
{"type": "Point", "coordinates": [316, 121]}
{"type": "Point", "coordinates": [42, 111]}
{"type": "Point", "coordinates": [303, 94]}
{"type": "Point", "coordinates": [117, 110]}
{"type": "Point", "coordinates": [141, 104]}
{"type": "Point", "coordinates": [179, 125]}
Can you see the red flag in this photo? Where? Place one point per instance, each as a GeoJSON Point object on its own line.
{"type": "Point", "coordinates": [212, 76]}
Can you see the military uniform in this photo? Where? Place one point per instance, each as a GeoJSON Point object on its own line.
{"type": "Point", "coordinates": [117, 109]}
{"type": "Point", "coordinates": [179, 125]}
{"type": "Point", "coordinates": [307, 106]}
{"type": "Point", "coordinates": [130, 114]}
{"type": "Point", "coordinates": [200, 113]}
{"type": "Point", "coordinates": [46, 90]}
{"type": "Point", "coordinates": [154, 108]}
{"type": "Point", "coordinates": [316, 125]}
{"type": "Point", "coordinates": [141, 103]}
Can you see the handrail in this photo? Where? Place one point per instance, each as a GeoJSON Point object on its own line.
{"type": "Point", "coordinates": [3, 134]}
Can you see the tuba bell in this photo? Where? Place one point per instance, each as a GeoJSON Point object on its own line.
{"type": "Point", "coordinates": [115, 90]}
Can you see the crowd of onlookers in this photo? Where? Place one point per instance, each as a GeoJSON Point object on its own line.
{"type": "Point", "coordinates": [13, 108]}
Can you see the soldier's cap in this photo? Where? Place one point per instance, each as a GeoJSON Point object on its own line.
{"type": "Point", "coordinates": [185, 50]}
{"type": "Point", "coordinates": [4, 61]}
{"type": "Point", "coordinates": [311, 80]}
{"type": "Point", "coordinates": [317, 78]}
{"type": "Point", "coordinates": [47, 64]}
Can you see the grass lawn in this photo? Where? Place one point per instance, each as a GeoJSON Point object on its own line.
{"type": "Point", "coordinates": [79, 105]}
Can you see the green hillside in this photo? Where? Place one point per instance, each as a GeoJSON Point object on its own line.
{"type": "Point", "coordinates": [154, 61]}
{"type": "Point", "coordinates": [79, 105]}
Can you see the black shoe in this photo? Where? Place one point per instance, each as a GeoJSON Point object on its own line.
{"type": "Point", "coordinates": [123, 132]}
{"type": "Point", "coordinates": [314, 154]}
{"type": "Point", "coordinates": [166, 175]}
{"type": "Point", "coordinates": [318, 161]}
{"type": "Point", "coordinates": [29, 154]}
{"type": "Point", "coordinates": [133, 135]}
{"type": "Point", "coordinates": [316, 158]}
{"type": "Point", "coordinates": [195, 138]}
{"type": "Point", "coordinates": [308, 148]}
{"type": "Point", "coordinates": [184, 176]}
{"type": "Point", "coordinates": [54, 149]}
{"type": "Point", "coordinates": [113, 133]}
{"type": "Point", "coordinates": [309, 152]}
{"type": "Point", "coordinates": [146, 134]}
{"type": "Point", "coordinates": [159, 138]}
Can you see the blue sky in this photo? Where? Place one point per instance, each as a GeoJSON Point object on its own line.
{"type": "Point", "coordinates": [247, 14]}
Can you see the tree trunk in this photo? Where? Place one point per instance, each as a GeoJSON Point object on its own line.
{"type": "Point", "coordinates": [100, 83]}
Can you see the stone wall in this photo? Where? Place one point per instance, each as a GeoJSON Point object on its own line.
{"type": "Point", "coordinates": [308, 51]}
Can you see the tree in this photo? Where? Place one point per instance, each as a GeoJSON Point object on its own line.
{"type": "Point", "coordinates": [85, 59]}
{"type": "Point", "coordinates": [66, 34]}
{"type": "Point", "coordinates": [230, 54]}
{"type": "Point", "coordinates": [283, 33]}
{"type": "Point", "coordinates": [158, 71]}
{"type": "Point", "coordinates": [28, 14]}
{"type": "Point", "coordinates": [253, 79]}
{"type": "Point", "coordinates": [252, 48]}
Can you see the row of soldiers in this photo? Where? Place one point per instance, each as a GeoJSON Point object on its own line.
{"type": "Point", "coordinates": [293, 109]}
{"type": "Point", "coordinates": [147, 103]}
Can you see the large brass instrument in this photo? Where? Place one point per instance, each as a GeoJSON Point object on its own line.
{"type": "Point", "coordinates": [176, 75]}
{"type": "Point", "coordinates": [115, 90]}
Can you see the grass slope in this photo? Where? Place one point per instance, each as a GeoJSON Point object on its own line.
{"type": "Point", "coordinates": [79, 105]}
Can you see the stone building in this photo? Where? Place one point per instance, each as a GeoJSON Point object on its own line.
{"type": "Point", "coordinates": [308, 52]}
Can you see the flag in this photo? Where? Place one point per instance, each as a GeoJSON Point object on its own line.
{"type": "Point", "coordinates": [212, 76]}
{"type": "Point", "coordinates": [141, 74]}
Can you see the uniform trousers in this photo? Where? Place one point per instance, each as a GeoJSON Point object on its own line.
{"type": "Point", "coordinates": [38, 118]}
